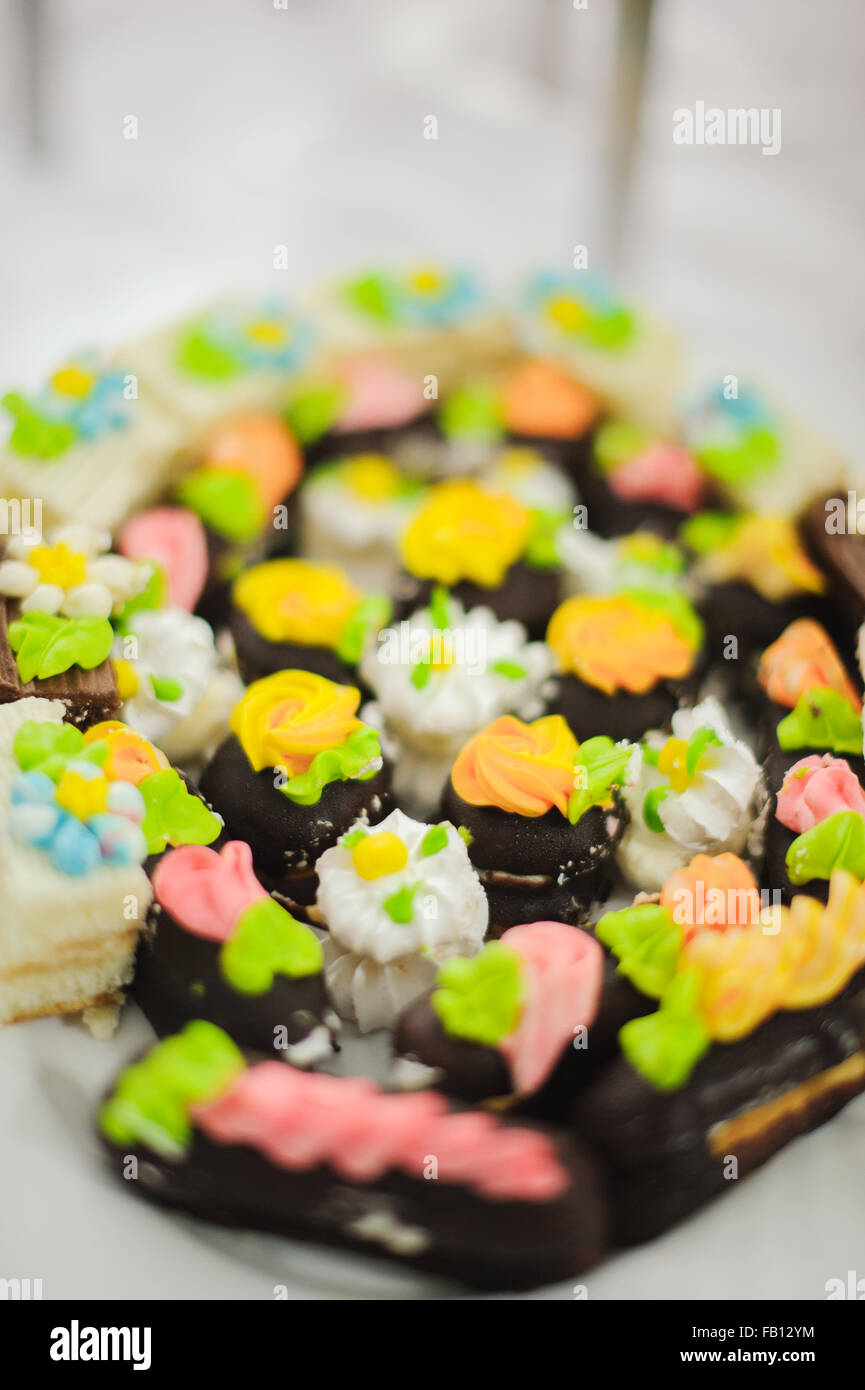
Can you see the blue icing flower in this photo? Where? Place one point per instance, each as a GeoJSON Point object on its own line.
{"type": "Point", "coordinates": [266, 338]}
{"type": "Point", "coordinates": [580, 306]}
{"type": "Point", "coordinates": [43, 816]}
{"type": "Point", "coordinates": [432, 296]}
{"type": "Point", "coordinates": [79, 402]}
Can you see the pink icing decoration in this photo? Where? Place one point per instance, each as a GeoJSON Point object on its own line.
{"type": "Point", "coordinates": [204, 891]}
{"type": "Point", "coordinates": [381, 396]}
{"type": "Point", "coordinates": [175, 539]}
{"type": "Point", "coordinates": [565, 968]}
{"type": "Point", "coordinates": [300, 1120]}
{"type": "Point", "coordinates": [817, 787]}
{"type": "Point", "coordinates": [663, 473]}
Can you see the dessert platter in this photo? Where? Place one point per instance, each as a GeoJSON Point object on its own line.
{"type": "Point", "coordinates": [432, 730]}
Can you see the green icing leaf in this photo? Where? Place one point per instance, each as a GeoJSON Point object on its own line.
{"type": "Point", "coordinates": [46, 645]}
{"type": "Point", "coordinates": [166, 688]}
{"type": "Point", "coordinates": [42, 747]}
{"type": "Point", "coordinates": [472, 412]}
{"type": "Point", "coordinates": [421, 673]}
{"type": "Point", "coordinates": [267, 941]}
{"type": "Point", "coordinates": [173, 815]}
{"type": "Point", "coordinates": [33, 435]}
{"type": "Point", "coordinates": [480, 998]}
{"type": "Point", "coordinates": [651, 813]}
{"type": "Point", "coordinates": [646, 942]}
{"type": "Point", "coordinates": [228, 502]}
{"type": "Point", "coordinates": [821, 719]}
{"type": "Point", "coordinates": [152, 1099]}
{"type": "Point", "coordinates": [511, 670]}
{"type": "Point", "coordinates": [370, 616]}
{"type": "Point", "coordinates": [665, 1046]}
{"type": "Point", "coordinates": [617, 442]}
{"type": "Point", "coordinates": [434, 840]}
{"type": "Point", "coordinates": [353, 837]}
{"type": "Point", "coordinates": [708, 531]}
{"type": "Point", "coordinates": [465, 835]}
{"type": "Point", "coordinates": [750, 457]}
{"type": "Point", "coordinates": [838, 842]}
{"type": "Point", "coordinates": [680, 611]}
{"type": "Point", "coordinates": [373, 296]}
{"type": "Point", "coordinates": [198, 354]}
{"type": "Point", "coordinates": [400, 905]}
{"type": "Point", "coordinates": [315, 409]}
{"type": "Point", "coordinates": [439, 608]}
{"type": "Point", "coordinates": [611, 329]}
{"type": "Point", "coordinates": [601, 766]}
{"type": "Point", "coordinates": [541, 549]}
{"type": "Point", "coordinates": [700, 740]}
{"type": "Point", "coordinates": [351, 759]}
{"type": "Point", "coordinates": [153, 595]}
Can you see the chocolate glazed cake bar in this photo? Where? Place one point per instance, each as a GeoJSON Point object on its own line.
{"type": "Point", "coordinates": [336, 1160]}
{"type": "Point", "coordinates": [89, 696]}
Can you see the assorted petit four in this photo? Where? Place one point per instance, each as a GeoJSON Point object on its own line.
{"type": "Point", "coordinates": [394, 684]}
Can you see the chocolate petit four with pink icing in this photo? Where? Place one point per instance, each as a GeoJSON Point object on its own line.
{"type": "Point", "coordinates": [336, 1160]}
{"type": "Point", "coordinates": [637, 480]}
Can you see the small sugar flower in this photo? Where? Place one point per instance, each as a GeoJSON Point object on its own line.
{"type": "Point", "coordinates": [73, 575]}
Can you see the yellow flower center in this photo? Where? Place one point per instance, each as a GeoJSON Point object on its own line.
{"type": "Point", "coordinates": [57, 564]}
{"type": "Point", "coordinates": [372, 476]}
{"type": "Point", "coordinates": [127, 680]}
{"type": "Point", "coordinates": [426, 280]}
{"type": "Point", "coordinates": [82, 796]}
{"type": "Point", "coordinates": [672, 763]}
{"type": "Point", "coordinates": [267, 332]}
{"type": "Point", "coordinates": [567, 313]}
{"type": "Point", "coordinates": [72, 381]}
{"type": "Point", "coordinates": [378, 855]}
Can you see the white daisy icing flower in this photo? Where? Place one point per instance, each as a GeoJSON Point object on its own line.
{"type": "Point", "coordinates": [398, 898]}
{"type": "Point", "coordinates": [695, 795]}
{"type": "Point", "coordinates": [72, 574]}
{"type": "Point", "coordinates": [353, 512]}
{"type": "Point", "coordinates": [175, 688]}
{"type": "Point", "coordinates": [440, 677]}
{"type": "Point", "coordinates": [529, 477]}
{"type": "Point", "coordinates": [593, 565]}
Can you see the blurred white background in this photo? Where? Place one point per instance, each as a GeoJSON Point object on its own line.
{"type": "Point", "coordinates": [303, 125]}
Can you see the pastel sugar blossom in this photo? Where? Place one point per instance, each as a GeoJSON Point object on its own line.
{"type": "Point", "coordinates": [173, 538]}
{"type": "Point", "coordinates": [80, 402]}
{"type": "Point", "coordinates": [81, 821]}
{"type": "Point", "coordinates": [206, 891]}
{"type": "Point", "coordinates": [816, 788]}
{"type": "Point", "coordinates": [380, 395]}
{"type": "Point", "coordinates": [593, 565]}
{"type": "Point", "coordinates": [695, 794]}
{"type": "Point", "coordinates": [643, 468]}
{"type": "Point", "coordinates": [71, 574]}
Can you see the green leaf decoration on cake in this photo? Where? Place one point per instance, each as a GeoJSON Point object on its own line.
{"type": "Point", "coordinates": [40, 746]}
{"type": "Point", "coordinates": [651, 809]}
{"type": "Point", "coordinates": [600, 766]}
{"type": "Point", "coordinates": [838, 842]}
{"type": "Point", "coordinates": [679, 609]}
{"type": "Point", "coordinates": [472, 413]}
{"type": "Point", "coordinates": [698, 743]}
{"type": "Point", "coordinates": [480, 999]}
{"type": "Point", "coordinates": [440, 608]}
{"type": "Point", "coordinates": [434, 841]}
{"type": "Point", "coordinates": [228, 502]}
{"type": "Point", "coordinates": [374, 296]}
{"type": "Point", "coordinates": [511, 670]}
{"type": "Point", "coordinates": [750, 457]}
{"type": "Point", "coordinates": [173, 815]}
{"type": "Point", "coordinates": [369, 617]}
{"type": "Point", "coordinates": [652, 553]}
{"type": "Point", "coordinates": [400, 905]}
{"type": "Point", "coordinates": [821, 719]}
{"type": "Point", "coordinates": [617, 442]}
{"type": "Point", "coordinates": [34, 435]}
{"type": "Point", "coordinates": [647, 944]}
{"type": "Point", "coordinates": [351, 759]}
{"type": "Point", "coordinates": [665, 1046]}
{"type": "Point", "coordinates": [542, 551]}
{"type": "Point", "coordinates": [708, 531]}
{"type": "Point", "coordinates": [314, 409]}
{"type": "Point", "coordinates": [152, 1099]}
{"type": "Point", "coordinates": [46, 645]}
{"type": "Point", "coordinates": [200, 355]}
{"type": "Point", "coordinates": [154, 595]}
{"type": "Point", "coordinates": [268, 941]}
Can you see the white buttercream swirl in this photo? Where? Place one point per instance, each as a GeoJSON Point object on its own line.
{"type": "Point", "coordinates": [374, 965]}
{"type": "Point", "coordinates": [712, 815]}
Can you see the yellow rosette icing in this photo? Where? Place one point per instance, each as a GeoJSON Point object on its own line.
{"type": "Point", "coordinates": [618, 643]}
{"type": "Point", "coordinates": [525, 769]}
{"type": "Point", "coordinates": [285, 720]}
{"type": "Point", "coordinates": [296, 601]}
{"type": "Point", "coordinates": [464, 532]}
{"type": "Point", "coordinates": [766, 553]}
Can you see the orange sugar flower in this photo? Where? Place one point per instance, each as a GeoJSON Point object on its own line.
{"type": "Point", "coordinates": [525, 769]}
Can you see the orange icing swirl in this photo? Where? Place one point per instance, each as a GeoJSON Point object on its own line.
{"type": "Point", "coordinates": [804, 656]}
{"type": "Point", "coordinates": [525, 769]}
{"type": "Point", "coordinates": [260, 446]}
{"type": "Point", "coordinates": [713, 891]}
{"type": "Point", "coordinates": [131, 757]}
{"type": "Point", "coordinates": [616, 643]}
{"type": "Point", "coordinates": [539, 399]}
{"type": "Point", "coordinates": [286, 719]}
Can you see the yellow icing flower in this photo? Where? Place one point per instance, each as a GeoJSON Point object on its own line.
{"type": "Point", "coordinates": [295, 601]}
{"type": "Point", "coordinates": [284, 720]}
{"type": "Point", "coordinates": [267, 332]}
{"type": "Point", "coordinates": [465, 532]}
{"type": "Point", "coordinates": [765, 552]}
{"type": "Point", "coordinates": [57, 564]}
{"type": "Point", "coordinates": [82, 796]}
{"type": "Point", "coordinates": [372, 476]}
{"type": "Point", "coordinates": [72, 381]}
{"type": "Point", "coordinates": [616, 643]}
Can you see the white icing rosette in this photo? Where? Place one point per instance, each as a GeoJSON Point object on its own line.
{"type": "Point", "coordinates": [695, 795]}
{"type": "Point", "coordinates": [71, 573]}
{"type": "Point", "coordinates": [594, 565]}
{"type": "Point", "coordinates": [353, 512]}
{"type": "Point", "coordinates": [176, 690]}
{"type": "Point", "coordinates": [441, 676]}
{"type": "Point", "coordinates": [398, 898]}
{"type": "Point", "coordinates": [527, 476]}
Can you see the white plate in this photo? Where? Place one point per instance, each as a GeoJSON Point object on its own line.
{"type": "Point", "coordinates": [65, 1220]}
